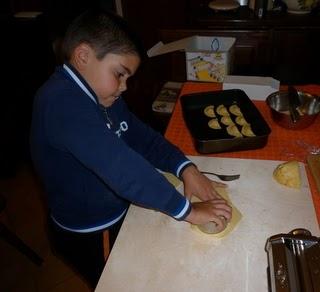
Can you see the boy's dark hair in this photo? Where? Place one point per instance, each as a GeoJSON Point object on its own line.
{"type": "Point", "coordinates": [104, 31]}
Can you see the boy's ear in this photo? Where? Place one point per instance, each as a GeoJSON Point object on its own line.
{"type": "Point", "coordinates": [82, 55]}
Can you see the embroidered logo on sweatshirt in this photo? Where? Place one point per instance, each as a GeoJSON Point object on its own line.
{"type": "Point", "coordinates": [122, 128]}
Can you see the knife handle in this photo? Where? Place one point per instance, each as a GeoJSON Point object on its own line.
{"type": "Point", "coordinates": [313, 161]}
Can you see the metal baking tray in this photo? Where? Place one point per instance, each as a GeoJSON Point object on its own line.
{"type": "Point", "coordinates": [209, 140]}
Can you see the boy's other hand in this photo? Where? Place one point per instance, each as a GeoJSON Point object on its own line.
{"type": "Point", "coordinates": [197, 184]}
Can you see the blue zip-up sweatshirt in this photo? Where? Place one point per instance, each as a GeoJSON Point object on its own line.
{"type": "Point", "coordinates": [95, 161]}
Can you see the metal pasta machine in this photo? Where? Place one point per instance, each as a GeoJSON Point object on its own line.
{"type": "Point", "coordinates": [294, 262]}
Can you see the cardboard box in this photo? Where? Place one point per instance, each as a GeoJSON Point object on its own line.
{"type": "Point", "coordinates": [257, 88]}
{"type": "Point", "coordinates": [207, 58]}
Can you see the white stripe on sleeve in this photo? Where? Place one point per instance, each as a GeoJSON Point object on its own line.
{"type": "Point", "coordinates": [183, 211]}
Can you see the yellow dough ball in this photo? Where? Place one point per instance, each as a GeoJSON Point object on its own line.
{"type": "Point", "coordinates": [288, 174]}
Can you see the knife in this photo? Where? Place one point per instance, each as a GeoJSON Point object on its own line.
{"type": "Point", "coordinates": [294, 102]}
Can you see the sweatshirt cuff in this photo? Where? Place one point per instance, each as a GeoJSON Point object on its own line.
{"type": "Point", "coordinates": [183, 166]}
{"type": "Point", "coordinates": [184, 212]}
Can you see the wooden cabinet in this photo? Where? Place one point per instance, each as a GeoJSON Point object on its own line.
{"type": "Point", "coordinates": [296, 53]}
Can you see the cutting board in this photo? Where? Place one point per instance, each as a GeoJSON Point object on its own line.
{"type": "Point", "coordinates": [313, 161]}
{"type": "Point", "coordinates": [154, 252]}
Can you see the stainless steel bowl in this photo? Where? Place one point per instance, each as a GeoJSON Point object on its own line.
{"type": "Point", "coordinates": [278, 103]}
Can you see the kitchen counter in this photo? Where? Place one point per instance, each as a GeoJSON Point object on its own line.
{"type": "Point", "coordinates": [154, 252]}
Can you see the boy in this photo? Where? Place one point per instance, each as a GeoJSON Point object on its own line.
{"type": "Point", "coordinates": [95, 157]}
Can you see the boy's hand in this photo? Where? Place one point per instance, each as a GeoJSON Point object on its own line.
{"type": "Point", "coordinates": [197, 184]}
{"type": "Point", "coordinates": [216, 210]}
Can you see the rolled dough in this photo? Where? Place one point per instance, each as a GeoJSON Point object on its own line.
{"type": "Point", "coordinates": [236, 215]}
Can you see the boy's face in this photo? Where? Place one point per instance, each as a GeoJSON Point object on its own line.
{"type": "Point", "coordinates": [108, 77]}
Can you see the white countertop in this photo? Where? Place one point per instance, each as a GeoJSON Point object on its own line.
{"type": "Point", "coordinates": [154, 252]}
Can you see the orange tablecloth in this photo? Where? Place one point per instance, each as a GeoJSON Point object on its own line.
{"type": "Point", "coordinates": [282, 144]}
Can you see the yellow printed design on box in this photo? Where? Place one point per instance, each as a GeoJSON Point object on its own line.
{"type": "Point", "coordinates": [205, 70]}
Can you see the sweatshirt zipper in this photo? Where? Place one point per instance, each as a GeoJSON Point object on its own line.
{"type": "Point", "coordinates": [109, 124]}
